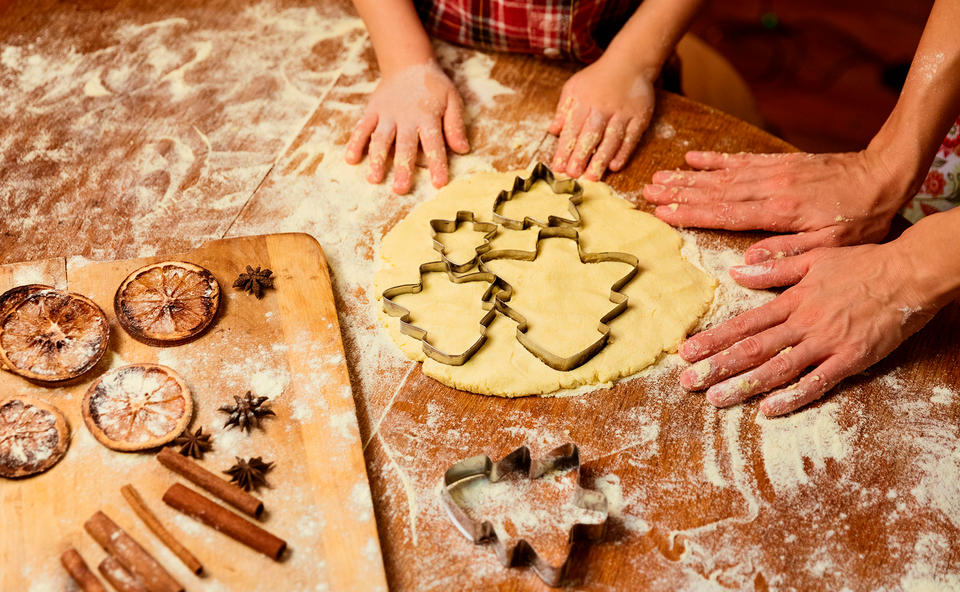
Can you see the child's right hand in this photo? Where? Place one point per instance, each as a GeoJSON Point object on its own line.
{"type": "Point", "coordinates": [417, 104]}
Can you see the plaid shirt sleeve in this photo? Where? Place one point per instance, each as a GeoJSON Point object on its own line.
{"type": "Point", "coordinates": [568, 29]}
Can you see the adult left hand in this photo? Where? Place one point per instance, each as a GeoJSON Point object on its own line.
{"type": "Point", "coordinates": [603, 111]}
{"type": "Point", "coordinates": [850, 307]}
{"type": "Point", "coordinates": [828, 200]}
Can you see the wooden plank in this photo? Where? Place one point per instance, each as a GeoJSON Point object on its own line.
{"type": "Point", "coordinates": [286, 346]}
{"type": "Point", "coordinates": [148, 126]}
{"type": "Point", "coordinates": [51, 272]}
{"type": "Point", "coordinates": [706, 499]}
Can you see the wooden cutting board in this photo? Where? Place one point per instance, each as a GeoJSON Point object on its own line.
{"type": "Point", "coordinates": [286, 346]}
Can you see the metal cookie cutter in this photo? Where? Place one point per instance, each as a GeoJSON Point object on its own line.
{"type": "Point", "coordinates": [559, 186]}
{"type": "Point", "coordinates": [501, 292]}
{"type": "Point", "coordinates": [439, 226]}
{"type": "Point", "coordinates": [566, 457]}
{"type": "Point", "coordinates": [407, 328]}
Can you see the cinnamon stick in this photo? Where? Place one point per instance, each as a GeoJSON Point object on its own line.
{"type": "Point", "coordinates": [153, 523]}
{"type": "Point", "coordinates": [130, 554]}
{"type": "Point", "coordinates": [78, 570]}
{"type": "Point", "coordinates": [119, 578]}
{"type": "Point", "coordinates": [203, 478]}
{"type": "Point", "coordinates": [216, 516]}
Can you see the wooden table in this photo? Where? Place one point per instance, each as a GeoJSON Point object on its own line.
{"type": "Point", "coordinates": [138, 129]}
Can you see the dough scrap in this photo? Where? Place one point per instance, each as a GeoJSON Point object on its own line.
{"type": "Point", "coordinates": [667, 297]}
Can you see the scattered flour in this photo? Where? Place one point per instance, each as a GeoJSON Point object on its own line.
{"type": "Point", "coordinates": [664, 130]}
{"type": "Point", "coordinates": [941, 395]}
{"type": "Point", "coordinates": [928, 66]}
{"type": "Point", "coordinates": [813, 434]}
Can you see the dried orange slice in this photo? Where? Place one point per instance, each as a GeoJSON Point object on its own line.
{"type": "Point", "coordinates": [14, 296]}
{"type": "Point", "coordinates": [52, 336]}
{"type": "Point", "coordinates": [137, 407]}
{"type": "Point", "coordinates": [33, 436]}
{"type": "Point", "coordinates": [167, 303]}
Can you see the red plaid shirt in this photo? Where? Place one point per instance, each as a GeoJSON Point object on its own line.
{"type": "Point", "coordinates": [571, 29]}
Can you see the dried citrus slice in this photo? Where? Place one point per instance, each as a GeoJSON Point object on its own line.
{"type": "Point", "coordinates": [52, 336]}
{"type": "Point", "coordinates": [14, 296]}
{"type": "Point", "coordinates": [33, 436]}
{"type": "Point", "coordinates": [167, 303]}
{"type": "Point", "coordinates": [137, 407]}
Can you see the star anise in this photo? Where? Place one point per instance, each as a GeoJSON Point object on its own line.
{"type": "Point", "coordinates": [246, 412]}
{"type": "Point", "coordinates": [254, 281]}
{"type": "Point", "coordinates": [249, 474]}
{"type": "Point", "coordinates": [194, 444]}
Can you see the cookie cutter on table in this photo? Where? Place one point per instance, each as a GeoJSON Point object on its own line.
{"type": "Point", "coordinates": [408, 328]}
{"type": "Point", "coordinates": [441, 226]}
{"type": "Point", "coordinates": [540, 172]}
{"type": "Point", "coordinates": [501, 292]}
{"type": "Point", "coordinates": [565, 457]}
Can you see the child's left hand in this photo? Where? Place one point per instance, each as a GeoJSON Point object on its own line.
{"type": "Point", "coordinates": [603, 111]}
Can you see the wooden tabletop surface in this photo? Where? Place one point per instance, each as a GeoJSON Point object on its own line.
{"type": "Point", "coordinates": [133, 129]}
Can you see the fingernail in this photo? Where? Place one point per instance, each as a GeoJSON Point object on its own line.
{"type": "Point", "coordinates": [654, 190]}
{"type": "Point", "coordinates": [695, 154]}
{"type": "Point", "coordinates": [758, 255]}
{"type": "Point", "coordinates": [719, 395]}
{"type": "Point", "coordinates": [750, 270]}
{"type": "Point", "coordinates": [731, 391]}
{"type": "Point", "coordinates": [689, 349]}
{"type": "Point", "coordinates": [696, 375]}
{"type": "Point", "coordinates": [781, 402]}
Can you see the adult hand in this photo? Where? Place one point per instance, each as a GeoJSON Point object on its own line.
{"type": "Point", "coordinates": [415, 105]}
{"type": "Point", "coordinates": [850, 307]}
{"type": "Point", "coordinates": [602, 113]}
{"type": "Point", "coordinates": [828, 199]}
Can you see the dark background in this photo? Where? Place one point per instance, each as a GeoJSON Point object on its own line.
{"type": "Point", "coordinates": [825, 73]}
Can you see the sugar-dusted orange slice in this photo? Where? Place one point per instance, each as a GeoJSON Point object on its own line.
{"type": "Point", "coordinates": [167, 303]}
{"type": "Point", "coordinates": [33, 436]}
{"type": "Point", "coordinates": [14, 296]}
{"type": "Point", "coordinates": [137, 407]}
{"type": "Point", "coordinates": [53, 336]}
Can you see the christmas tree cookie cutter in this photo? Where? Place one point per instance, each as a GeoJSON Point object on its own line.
{"type": "Point", "coordinates": [540, 172]}
{"type": "Point", "coordinates": [501, 292]}
{"type": "Point", "coordinates": [440, 226]}
{"type": "Point", "coordinates": [482, 532]}
{"type": "Point", "coordinates": [408, 328]}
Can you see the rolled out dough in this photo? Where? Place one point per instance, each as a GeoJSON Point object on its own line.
{"type": "Point", "coordinates": [561, 298]}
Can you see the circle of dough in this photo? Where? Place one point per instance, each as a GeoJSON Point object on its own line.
{"type": "Point", "coordinates": [666, 298]}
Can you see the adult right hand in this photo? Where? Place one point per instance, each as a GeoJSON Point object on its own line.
{"type": "Point", "coordinates": [416, 105]}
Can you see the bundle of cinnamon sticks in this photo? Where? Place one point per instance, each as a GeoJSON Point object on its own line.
{"type": "Point", "coordinates": [131, 568]}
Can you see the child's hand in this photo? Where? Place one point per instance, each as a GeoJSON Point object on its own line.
{"type": "Point", "coordinates": [603, 111]}
{"type": "Point", "coordinates": [829, 199]}
{"type": "Point", "coordinates": [418, 104]}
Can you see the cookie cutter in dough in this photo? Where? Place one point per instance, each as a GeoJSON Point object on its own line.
{"type": "Point", "coordinates": [501, 293]}
{"type": "Point", "coordinates": [540, 172]}
{"type": "Point", "coordinates": [439, 226]}
{"type": "Point", "coordinates": [565, 457]}
{"type": "Point", "coordinates": [408, 328]}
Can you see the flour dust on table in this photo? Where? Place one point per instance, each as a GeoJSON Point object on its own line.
{"type": "Point", "coordinates": [562, 293]}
